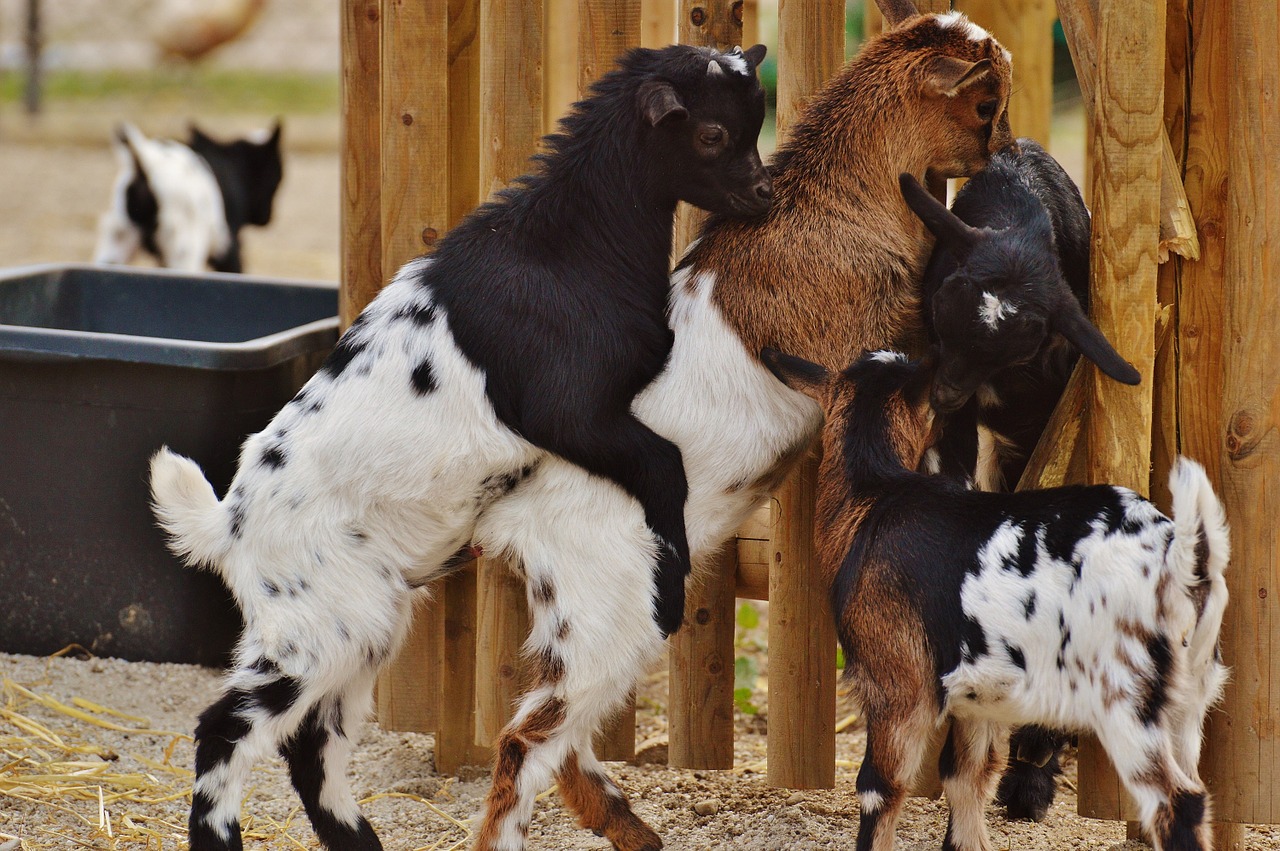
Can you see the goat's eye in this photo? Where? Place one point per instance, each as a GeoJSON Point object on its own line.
{"type": "Point", "coordinates": [711, 136]}
{"type": "Point", "coordinates": [987, 109]}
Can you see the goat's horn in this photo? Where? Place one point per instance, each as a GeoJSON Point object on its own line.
{"type": "Point", "coordinates": [897, 11]}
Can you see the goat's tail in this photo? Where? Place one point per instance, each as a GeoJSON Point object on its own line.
{"type": "Point", "coordinates": [1199, 552]}
{"type": "Point", "coordinates": [188, 510]}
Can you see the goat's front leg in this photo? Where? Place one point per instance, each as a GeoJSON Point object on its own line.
{"type": "Point", "coordinates": [649, 467]}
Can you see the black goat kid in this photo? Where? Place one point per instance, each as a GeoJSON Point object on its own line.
{"type": "Point", "coordinates": [1006, 294]}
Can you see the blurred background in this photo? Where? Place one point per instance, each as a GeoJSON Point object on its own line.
{"type": "Point", "coordinates": [231, 66]}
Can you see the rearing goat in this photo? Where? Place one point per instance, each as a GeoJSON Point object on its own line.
{"type": "Point", "coordinates": [522, 339]}
{"type": "Point", "coordinates": [1078, 608]}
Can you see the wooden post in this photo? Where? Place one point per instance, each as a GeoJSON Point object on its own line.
{"type": "Point", "coordinates": [361, 158]}
{"type": "Point", "coordinates": [414, 139]}
{"type": "Point", "coordinates": [698, 734]}
{"type": "Point", "coordinates": [563, 34]}
{"type": "Point", "coordinates": [657, 22]}
{"type": "Point", "coordinates": [700, 709]}
{"type": "Point", "coordinates": [802, 643]}
{"type": "Point", "coordinates": [501, 628]}
{"type": "Point", "coordinates": [455, 651]}
{"type": "Point", "coordinates": [1243, 763]}
{"type": "Point", "coordinates": [1025, 28]}
{"type": "Point", "coordinates": [607, 29]}
{"type": "Point", "coordinates": [1126, 129]}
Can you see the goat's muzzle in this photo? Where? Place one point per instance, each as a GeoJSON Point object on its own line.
{"type": "Point", "coordinates": [946, 398]}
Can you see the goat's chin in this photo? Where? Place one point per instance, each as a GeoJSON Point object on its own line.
{"type": "Point", "coordinates": [738, 207]}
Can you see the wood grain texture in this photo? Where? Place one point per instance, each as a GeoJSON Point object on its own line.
{"type": "Point", "coordinates": [1244, 744]}
{"type": "Point", "coordinates": [561, 38]}
{"type": "Point", "coordinates": [1025, 28]}
{"type": "Point", "coordinates": [1177, 226]}
{"type": "Point", "coordinates": [705, 24]}
{"type": "Point", "coordinates": [361, 158]}
{"type": "Point", "coordinates": [701, 697]}
{"type": "Point", "coordinates": [1049, 465]}
{"type": "Point", "coordinates": [456, 744]}
{"type": "Point", "coordinates": [802, 644]}
{"type": "Point", "coordinates": [1126, 128]}
{"type": "Point", "coordinates": [415, 129]}
{"type": "Point", "coordinates": [810, 50]}
{"type": "Point", "coordinates": [657, 22]}
{"type": "Point", "coordinates": [408, 694]}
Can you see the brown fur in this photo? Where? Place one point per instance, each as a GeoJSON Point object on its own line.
{"type": "Point", "coordinates": [602, 807]}
{"type": "Point", "coordinates": [512, 748]}
{"type": "Point", "coordinates": [834, 268]}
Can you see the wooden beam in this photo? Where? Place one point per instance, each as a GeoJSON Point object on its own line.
{"type": "Point", "coordinates": [456, 744]}
{"type": "Point", "coordinates": [802, 644]}
{"type": "Point", "coordinates": [701, 699]}
{"type": "Point", "coordinates": [1244, 751]}
{"type": "Point", "coordinates": [658, 22]}
{"type": "Point", "coordinates": [361, 158]}
{"type": "Point", "coordinates": [1050, 461]}
{"type": "Point", "coordinates": [698, 736]}
{"type": "Point", "coordinates": [1126, 128]}
{"type": "Point", "coordinates": [1177, 226]}
{"type": "Point", "coordinates": [408, 693]}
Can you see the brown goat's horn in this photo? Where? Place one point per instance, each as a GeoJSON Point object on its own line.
{"type": "Point", "coordinates": [897, 11]}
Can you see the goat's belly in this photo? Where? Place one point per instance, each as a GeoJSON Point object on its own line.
{"type": "Point", "coordinates": [738, 427]}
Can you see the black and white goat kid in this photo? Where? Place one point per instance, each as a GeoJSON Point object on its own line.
{"type": "Point", "coordinates": [185, 204]}
{"type": "Point", "coordinates": [1006, 295]}
{"type": "Point", "coordinates": [519, 343]}
{"type": "Point", "coordinates": [1079, 608]}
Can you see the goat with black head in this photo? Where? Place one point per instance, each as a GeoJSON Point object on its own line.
{"type": "Point", "coordinates": [185, 204]}
{"type": "Point", "coordinates": [1005, 298]}
{"type": "Point", "coordinates": [519, 344]}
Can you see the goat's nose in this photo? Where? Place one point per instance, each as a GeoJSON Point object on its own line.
{"type": "Point", "coordinates": [764, 190]}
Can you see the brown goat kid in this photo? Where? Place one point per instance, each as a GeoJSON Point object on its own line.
{"type": "Point", "coordinates": [834, 268]}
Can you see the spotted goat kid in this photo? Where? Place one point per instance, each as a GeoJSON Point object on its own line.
{"type": "Point", "coordinates": [522, 339]}
{"type": "Point", "coordinates": [1079, 608]}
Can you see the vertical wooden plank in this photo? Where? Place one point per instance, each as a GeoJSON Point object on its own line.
{"type": "Point", "coordinates": [415, 128]}
{"type": "Point", "coordinates": [562, 37]}
{"type": "Point", "coordinates": [810, 50]}
{"type": "Point", "coordinates": [700, 730]}
{"type": "Point", "coordinates": [456, 744]}
{"type": "Point", "coordinates": [1244, 752]}
{"type": "Point", "coordinates": [606, 30]}
{"type": "Point", "coordinates": [511, 85]}
{"type": "Point", "coordinates": [657, 22]}
{"type": "Point", "coordinates": [361, 158]}
{"type": "Point", "coordinates": [408, 693]}
{"type": "Point", "coordinates": [872, 19]}
{"type": "Point", "coordinates": [802, 645]}
{"type": "Point", "coordinates": [1126, 129]}
{"type": "Point", "coordinates": [413, 104]}
{"type": "Point", "coordinates": [701, 700]}
{"type": "Point", "coordinates": [1025, 28]}
{"type": "Point", "coordinates": [464, 108]}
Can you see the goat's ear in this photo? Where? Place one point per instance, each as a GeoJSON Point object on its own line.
{"type": "Point", "coordinates": [797, 373]}
{"type": "Point", "coordinates": [755, 54]}
{"type": "Point", "coordinates": [273, 141]}
{"type": "Point", "coordinates": [1069, 321]}
{"type": "Point", "coordinates": [896, 11]}
{"type": "Point", "coordinates": [949, 75]}
{"type": "Point", "coordinates": [954, 234]}
{"type": "Point", "coordinates": [197, 135]}
{"type": "Point", "coordinates": [659, 102]}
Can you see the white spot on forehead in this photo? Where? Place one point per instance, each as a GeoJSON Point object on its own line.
{"type": "Point", "coordinates": [888, 356]}
{"type": "Point", "coordinates": [957, 19]}
{"type": "Point", "coordinates": [993, 309]}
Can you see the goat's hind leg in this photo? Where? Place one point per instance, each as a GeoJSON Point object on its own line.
{"type": "Point", "coordinates": [601, 806]}
{"type": "Point", "coordinates": [318, 753]}
{"type": "Point", "coordinates": [895, 750]}
{"type": "Point", "coordinates": [969, 766]}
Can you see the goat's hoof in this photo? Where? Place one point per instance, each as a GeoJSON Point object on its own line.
{"type": "Point", "coordinates": [1027, 791]}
